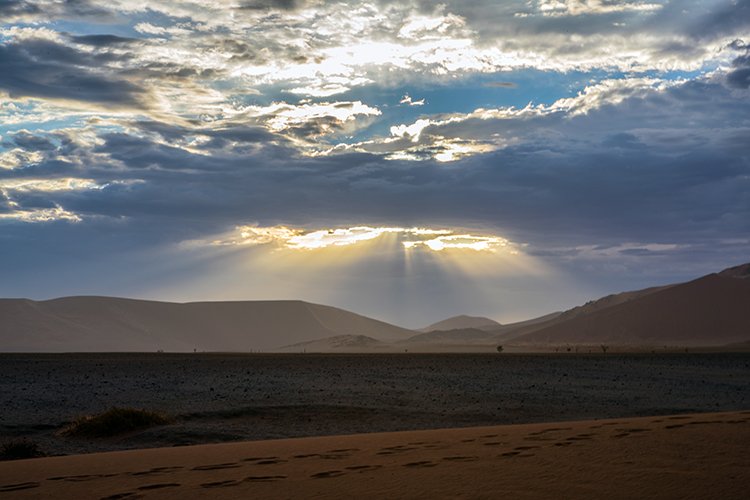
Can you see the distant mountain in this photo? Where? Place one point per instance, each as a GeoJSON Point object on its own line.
{"type": "Point", "coordinates": [341, 343]}
{"type": "Point", "coordinates": [462, 321]}
{"type": "Point", "coordinates": [456, 336]}
{"type": "Point", "coordinates": [709, 311]}
{"type": "Point", "coordinates": [98, 324]}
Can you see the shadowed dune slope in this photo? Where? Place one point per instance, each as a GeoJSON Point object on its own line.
{"type": "Point", "coordinates": [458, 335]}
{"type": "Point", "coordinates": [712, 310]}
{"type": "Point", "coordinates": [339, 343]}
{"type": "Point", "coordinates": [113, 324]}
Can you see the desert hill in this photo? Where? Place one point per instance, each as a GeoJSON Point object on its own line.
{"type": "Point", "coordinates": [115, 324]}
{"type": "Point", "coordinates": [337, 343]}
{"type": "Point", "coordinates": [712, 310]}
{"type": "Point", "coordinates": [455, 336]}
{"type": "Point", "coordinates": [462, 321]}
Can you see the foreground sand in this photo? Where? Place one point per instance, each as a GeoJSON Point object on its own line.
{"type": "Point", "coordinates": [685, 456]}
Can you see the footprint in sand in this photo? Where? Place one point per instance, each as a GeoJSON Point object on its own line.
{"type": "Point", "coordinates": [390, 450]}
{"type": "Point", "coordinates": [422, 463]}
{"type": "Point", "coordinates": [628, 432]}
{"type": "Point", "coordinates": [157, 470]}
{"type": "Point", "coordinates": [461, 459]}
{"type": "Point", "coordinates": [262, 479]}
{"type": "Point", "coordinates": [580, 437]}
{"type": "Point", "coordinates": [159, 486]}
{"type": "Point", "coordinates": [363, 468]}
{"type": "Point", "coordinates": [220, 484]}
{"type": "Point", "coordinates": [232, 465]}
{"type": "Point", "coordinates": [18, 486]}
{"type": "Point", "coordinates": [258, 459]}
{"type": "Point", "coordinates": [327, 474]}
{"type": "Point", "coordinates": [79, 478]}
{"type": "Point", "coordinates": [130, 495]}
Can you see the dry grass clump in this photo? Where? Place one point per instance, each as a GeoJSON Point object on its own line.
{"type": "Point", "coordinates": [18, 449]}
{"type": "Point", "coordinates": [113, 422]}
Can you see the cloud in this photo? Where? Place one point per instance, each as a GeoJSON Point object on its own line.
{"type": "Point", "coordinates": [191, 119]}
{"type": "Point", "coordinates": [44, 68]}
{"type": "Point", "coordinates": [415, 238]}
{"type": "Point", "coordinates": [410, 102]}
{"type": "Point", "coordinates": [102, 40]}
{"type": "Point", "coordinates": [502, 85]}
{"type": "Point", "coordinates": [587, 7]}
{"type": "Point", "coordinates": [739, 76]}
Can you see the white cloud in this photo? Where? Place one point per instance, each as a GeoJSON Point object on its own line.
{"type": "Point", "coordinates": [583, 7]}
{"type": "Point", "coordinates": [19, 158]}
{"type": "Point", "coordinates": [414, 238]}
{"type": "Point", "coordinates": [41, 215]}
{"type": "Point", "coordinates": [410, 102]}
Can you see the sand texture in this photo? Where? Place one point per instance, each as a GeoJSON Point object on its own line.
{"type": "Point", "coordinates": [683, 456]}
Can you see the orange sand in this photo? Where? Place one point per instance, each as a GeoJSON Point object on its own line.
{"type": "Point", "coordinates": [686, 456]}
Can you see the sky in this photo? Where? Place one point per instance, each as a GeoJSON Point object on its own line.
{"type": "Point", "coordinates": [406, 160]}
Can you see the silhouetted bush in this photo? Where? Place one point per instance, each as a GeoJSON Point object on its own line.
{"type": "Point", "coordinates": [18, 449]}
{"type": "Point", "coordinates": [113, 422]}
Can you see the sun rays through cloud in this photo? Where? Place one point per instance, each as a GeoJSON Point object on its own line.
{"type": "Point", "coordinates": [429, 152]}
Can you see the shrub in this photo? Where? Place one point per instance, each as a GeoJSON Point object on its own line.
{"type": "Point", "coordinates": [18, 449]}
{"type": "Point", "coordinates": [113, 422]}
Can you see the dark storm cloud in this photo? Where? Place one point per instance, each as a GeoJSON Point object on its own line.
{"type": "Point", "coordinates": [739, 77]}
{"type": "Point", "coordinates": [32, 142]}
{"type": "Point", "coordinates": [620, 183]}
{"type": "Point", "coordinates": [272, 4]}
{"type": "Point", "coordinates": [728, 17]}
{"type": "Point", "coordinates": [40, 10]}
{"type": "Point", "coordinates": [12, 8]}
{"type": "Point", "coordinates": [45, 69]}
{"type": "Point", "coordinates": [102, 40]}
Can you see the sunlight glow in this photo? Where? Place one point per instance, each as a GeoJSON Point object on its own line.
{"type": "Point", "coordinates": [436, 240]}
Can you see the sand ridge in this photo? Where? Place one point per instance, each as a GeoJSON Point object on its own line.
{"type": "Point", "coordinates": [680, 456]}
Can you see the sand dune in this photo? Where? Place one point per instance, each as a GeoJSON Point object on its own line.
{"type": "Point", "coordinates": [112, 324]}
{"type": "Point", "coordinates": [338, 343]}
{"type": "Point", "coordinates": [462, 321]}
{"type": "Point", "coordinates": [712, 310]}
{"type": "Point", "coordinates": [681, 456]}
{"type": "Point", "coordinates": [454, 336]}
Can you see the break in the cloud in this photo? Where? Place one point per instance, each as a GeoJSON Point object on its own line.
{"type": "Point", "coordinates": [436, 240]}
{"type": "Point", "coordinates": [608, 140]}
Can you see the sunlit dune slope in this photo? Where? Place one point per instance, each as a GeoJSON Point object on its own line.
{"type": "Point", "coordinates": [115, 324]}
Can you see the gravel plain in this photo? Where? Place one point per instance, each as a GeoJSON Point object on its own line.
{"type": "Point", "coordinates": [232, 397]}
